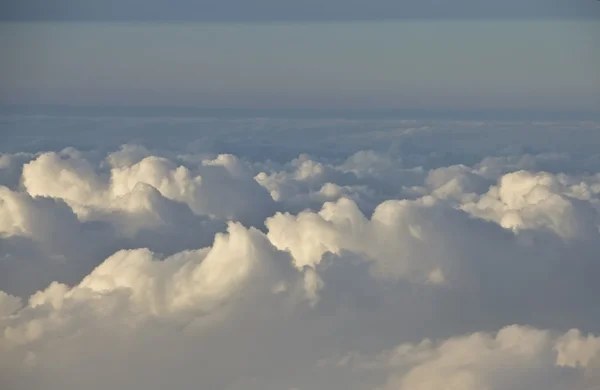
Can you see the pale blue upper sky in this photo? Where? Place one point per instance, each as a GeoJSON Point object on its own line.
{"type": "Point", "coordinates": [541, 64]}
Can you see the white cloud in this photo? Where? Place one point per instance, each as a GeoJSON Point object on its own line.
{"type": "Point", "coordinates": [400, 238]}
{"type": "Point", "coordinates": [396, 257]}
{"type": "Point", "coordinates": [526, 200]}
{"type": "Point", "coordinates": [221, 188]}
{"type": "Point", "coordinates": [574, 350]}
{"type": "Point", "coordinates": [514, 357]}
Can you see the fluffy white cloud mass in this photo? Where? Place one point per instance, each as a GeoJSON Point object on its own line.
{"type": "Point", "coordinates": [408, 256]}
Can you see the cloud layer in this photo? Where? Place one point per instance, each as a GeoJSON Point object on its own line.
{"type": "Point", "coordinates": [388, 267]}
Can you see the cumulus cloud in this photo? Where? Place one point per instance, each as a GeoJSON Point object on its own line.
{"type": "Point", "coordinates": [513, 357]}
{"type": "Point", "coordinates": [388, 263]}
{"type": "Point", "coordinates": [219, 188]}
{"type": "Point", "coordinates": [366, 177]}
{"type": "Point", "coordinates": [395, 237]}
{"type": "Point", "coordinates": [526, 200]}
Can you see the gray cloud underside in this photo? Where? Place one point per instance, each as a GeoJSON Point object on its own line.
{"type": "Point", "coordinates": [292, 10]}
{"type": "Point", "coordinates": [298, 254]}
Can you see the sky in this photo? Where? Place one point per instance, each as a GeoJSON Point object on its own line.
{"type": "Point", "coordinates": [292, 10]}
{"type": "Point", "coordinates": [468, 55]}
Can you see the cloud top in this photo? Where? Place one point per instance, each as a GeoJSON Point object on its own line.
{"type": "Point", "coordinates": [147, 268]}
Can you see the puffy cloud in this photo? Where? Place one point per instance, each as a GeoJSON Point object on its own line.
{"type": "Point", "coordinates": [366, 177]}
{"type": "Point", "coordinates": [381, 260]}
{"type": "Point", "coordinates": [514, 357]}
{"type": "Point", "coordinates": [187, 284]}
{"type": "Point", "coordinates": [222, 188]}
{"type": "Point", "coordinates": [64, 176]}
{"type": "Point", "coordinates": [574, 350]}
{"type": "Point", "coordinates": [72, 213]}
{"type": "Point", "coordinates": [41, 239]}
{"type": "Point", "coordinates": [65, 223]}
{"type": "Point", "coordinates": [127, 155]}
{"type": "Point", "coordinates": [135, 293]}
{"type": "Point", "coordinates": [22, 215]}
{"type": "Point", "coordinates": [526, 200]}
{"type": "Point", "coordinates": [408, 239]}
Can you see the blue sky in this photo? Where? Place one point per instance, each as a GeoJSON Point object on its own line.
{"type": "Point", "coordinates": [503, 56]}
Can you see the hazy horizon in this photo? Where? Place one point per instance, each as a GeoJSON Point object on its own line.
{"type": "Point", "coordinates": [412, 65]}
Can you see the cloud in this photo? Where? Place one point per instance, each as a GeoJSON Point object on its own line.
{"type": "Point", "coordinates": [529, 200]}
{"type": "Point", "coordinates": [219, 188]}
{"type": "Point", "coordinates": [136, 293]}
{"type": "Point", "coordinates": [511, 358]}
{"type": "Point", "coordinates": [378, 266]}
{"type": "Point", "coordinates": [400, 238]}
{"type": "Point", "coordinates": [366, 177]}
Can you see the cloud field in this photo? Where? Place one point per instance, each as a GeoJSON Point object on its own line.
{"type": "Point", "coordinates": [298, 254]}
